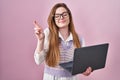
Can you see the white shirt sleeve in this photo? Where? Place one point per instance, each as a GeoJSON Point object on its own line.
{"type": "Point", "coordinates": [82, 41]}
{"type": "Point", "coordinates": [40, 57]}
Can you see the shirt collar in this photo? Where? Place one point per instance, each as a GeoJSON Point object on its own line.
{"type": "Point", "coordinates": [70, 37]}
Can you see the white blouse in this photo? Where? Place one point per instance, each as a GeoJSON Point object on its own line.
{"type": "Point", "coordinates": [40, 57]}
{"type": "Point", "coordinates": [66, 55]}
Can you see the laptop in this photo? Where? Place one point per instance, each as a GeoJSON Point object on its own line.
{"type": "Point", "coordinates": [90, 56]}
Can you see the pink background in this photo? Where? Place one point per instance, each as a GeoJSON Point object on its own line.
{"type": "Point", "coordinates": [98, 21]}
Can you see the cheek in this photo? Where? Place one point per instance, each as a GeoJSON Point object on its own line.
{"type": "Point", "coordinates": [68, 21]}
{"type": "Point", "coordinates": [56, 22]}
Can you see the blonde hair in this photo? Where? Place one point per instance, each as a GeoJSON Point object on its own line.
{"type": "Point", "coordinates": [53, 54]}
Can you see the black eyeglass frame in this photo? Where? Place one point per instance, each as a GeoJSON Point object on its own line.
{"type": "Point", "coordinates": [58, 16]}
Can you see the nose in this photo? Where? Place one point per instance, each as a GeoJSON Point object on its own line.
{"type": "Point", "coordinates": [61, 17]}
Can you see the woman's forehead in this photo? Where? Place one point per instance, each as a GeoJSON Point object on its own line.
{"type": "Point", "coordinates": [60, 10]}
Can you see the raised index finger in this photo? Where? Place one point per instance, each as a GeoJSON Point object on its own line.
{"type": "Point", "coordinates": [36, 24]}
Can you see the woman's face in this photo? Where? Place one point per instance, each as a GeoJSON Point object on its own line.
{"type": "Point", "coordinates": [61, 17]}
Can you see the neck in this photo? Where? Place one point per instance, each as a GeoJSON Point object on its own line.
{"type": "Point", "coordinates": [64, 32]}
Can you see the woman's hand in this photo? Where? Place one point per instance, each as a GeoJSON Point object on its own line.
{"type": "Point", "coordinates": [39, 31]}
{"type": "Point", "coordinates": [88, 71]}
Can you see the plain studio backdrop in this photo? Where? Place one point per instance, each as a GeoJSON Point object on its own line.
{"type": "Point", "coordinates": [98, 21]}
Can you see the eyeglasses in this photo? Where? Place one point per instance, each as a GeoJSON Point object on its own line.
{"type": "Point", "coordinates": [58, 16]}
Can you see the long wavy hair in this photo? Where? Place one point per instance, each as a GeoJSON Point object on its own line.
{"type": "Point", "coordinates": [53, 54]}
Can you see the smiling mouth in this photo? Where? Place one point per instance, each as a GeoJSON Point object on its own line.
{"type": "Point", "coordinates": [62, 21]}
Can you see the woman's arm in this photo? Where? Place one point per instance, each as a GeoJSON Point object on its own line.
{"type": "Point", "coordinates": [39, 51]}
{"type": "Point", "coordinates": [39, 54]}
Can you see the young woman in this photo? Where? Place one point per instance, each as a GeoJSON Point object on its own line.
{"type": "Point", "coordinates": [56, 43]}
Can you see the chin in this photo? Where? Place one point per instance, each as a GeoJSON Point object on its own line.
{"type": "Point", "coordinates": [62, 25]}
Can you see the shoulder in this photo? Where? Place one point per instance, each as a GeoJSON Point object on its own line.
{"type": "Point", "coordinates": [46, 31]}
{"type": "Point", "coordinates": [46, 41]}
{"type": "Point", "coordinates": [82, 41]}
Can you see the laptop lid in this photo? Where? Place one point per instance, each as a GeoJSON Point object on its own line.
{"type": "Point", "coordinates": [90, 56]}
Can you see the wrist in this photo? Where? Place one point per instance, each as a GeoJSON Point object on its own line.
{"type": "Point", "coordinates": [40, 45]}
{"type": "Point", "coordinates": [40, 40]}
